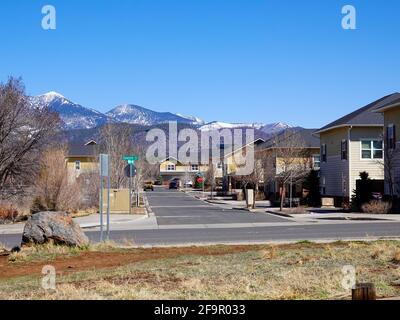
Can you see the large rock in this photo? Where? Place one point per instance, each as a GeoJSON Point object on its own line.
{"type": "Point", "coordinates": [49, 226]}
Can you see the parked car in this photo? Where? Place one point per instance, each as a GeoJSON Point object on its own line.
{"type": "Point", "coordinates": [188, 184]}
{"type": "Point", "coordinates": [174, 184]}
{"type": "Point", "coordinates": [158, 182]}
{"type": "Point", "coordinates": [148, 185]}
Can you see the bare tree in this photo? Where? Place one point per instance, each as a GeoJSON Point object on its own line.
{"type": "Point", "coordinates": [288, 161]}
{"type": "Point", "coordinates": [116, 140]}
{"type": "Point", "coordinates": [256, 177]}
{"type": "Point", "coordinates": [391, 161]}
{"type": "Point", "coordinates": [24, 134]}
{"type": "Point", "coordinates": [53, 189]}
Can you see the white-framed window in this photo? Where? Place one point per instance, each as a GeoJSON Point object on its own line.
{"type": "Point", "coordinates": [343, 150]}
{"type": "Point", "coordinates": [371, 149]}
{"type": "Point", "coordinates": [323, 152]}
{"type": "Point", "coordinates": [316, 161]}
{"type": "Point", "coordinates": [77, 165]}
{"type": "Point", "coordinates": [171, 167]}
{"type": "Point", "coordinates": [194, 167]}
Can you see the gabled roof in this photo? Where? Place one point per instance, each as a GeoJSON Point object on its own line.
{"type": "Point", "coordinates": [304, 136]}
{"type": "Point", "coordinates": [255, 142]}
{"type": "Point", "coordinates": [364, 116]}
{"type": "Point", "coordinates": [82, 150]}
{"type": "Point", "coordinates": [393, 104]}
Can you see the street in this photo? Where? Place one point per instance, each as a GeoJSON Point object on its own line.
{"type": "Point", "coordinates": [181, 219]}
{"type": "Point", "coordinates": [173, 207]}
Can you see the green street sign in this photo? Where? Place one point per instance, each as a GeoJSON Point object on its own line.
{"type": "Point", "coordinates": [130, 159]}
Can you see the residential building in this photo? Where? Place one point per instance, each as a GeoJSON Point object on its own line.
{"type": "Point", "coordinates": [171, 168]}
{"type": "Point", "coordinates": [351, 145]}
{"type": "Point", "coordinates": [294, 151]}
{"type": "Point", "coordinates": [391, 115]}
{"type": "Point", "coordinates": [82, 158]}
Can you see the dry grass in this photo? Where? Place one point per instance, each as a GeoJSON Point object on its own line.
{"type": "Point", "coordinates": [300, 271]}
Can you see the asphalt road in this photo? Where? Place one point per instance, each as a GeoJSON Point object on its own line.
{"type": "Point", "coordinates": [173, 207]}
{"type": "Point", "coordinates": [370, 230]}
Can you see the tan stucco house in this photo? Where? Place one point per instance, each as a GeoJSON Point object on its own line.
{"type": "Point", "coordinates": [350, 145]}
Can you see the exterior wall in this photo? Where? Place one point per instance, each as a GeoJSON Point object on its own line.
{"type": "Point", "coordinates": [87, 165]}
{"type": "Point", "coordinates": [374, 167]}
{"type": "Point", "coordinates": [182, 171]}
{"type": "Point", "coordinates": [334, 172]}
{"type": "Point", "coordinates": [392, 116]}
{"type": "Point", "coordinates": [338, 177]}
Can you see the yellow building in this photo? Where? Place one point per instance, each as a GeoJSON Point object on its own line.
{"type": "Point", "coordinates": [391, 114]}
{"type": "Point", "coordinates": [171, 168]}
{"type": "Point", "coordinates": [82, 158]}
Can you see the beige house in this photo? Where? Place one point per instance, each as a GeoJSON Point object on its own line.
{"type": "Point", "coordinates": [391, 115]}
{"type": "Point", "coordinates": [304, 153]}
{"type": "Point", "coordinates": [350, 145]}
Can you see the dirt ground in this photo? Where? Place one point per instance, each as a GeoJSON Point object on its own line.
{"type": "Point", "coordinates": [100, 260]}
{"type": "Point", "coordinates": [294, 271]}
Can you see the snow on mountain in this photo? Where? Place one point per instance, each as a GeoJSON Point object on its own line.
{"type": "Point", "coordinates": [76, 116]}
{"type": "Point", "coordinates": [195, 120]}
{"type": "Point", "coordinates": [73, 115]}
{"type": "Point", "coordinates": [275, 128]}
{"type": "Point", "coordinates": [134, 114]}
{"type": "Point", "coordinates": [217, 125]}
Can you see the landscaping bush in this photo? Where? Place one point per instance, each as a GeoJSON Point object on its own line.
{"type": "Point", "coordinates": [376, 207]}
{"type": "Point", "coordinates": [10, 214]}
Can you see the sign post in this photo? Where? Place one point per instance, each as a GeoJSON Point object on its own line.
{"type": "Point", "coordinates": [132, 172]}
{"type": "Point", "coordinates": [104, 173]}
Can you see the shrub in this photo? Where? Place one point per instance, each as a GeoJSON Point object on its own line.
{"type": "Point", "coordinates": [377, 207]}
{"type": "Point", "coordinates": [8, 213]}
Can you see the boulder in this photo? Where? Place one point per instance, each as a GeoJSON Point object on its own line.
{"type": "Point", "coordinates": [58, 227]}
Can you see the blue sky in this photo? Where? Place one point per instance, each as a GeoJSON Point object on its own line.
{"type": "Point", "coordinates": [227, 60]}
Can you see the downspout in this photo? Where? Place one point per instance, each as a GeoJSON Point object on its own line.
{"type": "Point", "coordinates": [349, 159]}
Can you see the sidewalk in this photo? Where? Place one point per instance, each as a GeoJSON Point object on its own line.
{"type": "Point", "coordinates": [117, 221]}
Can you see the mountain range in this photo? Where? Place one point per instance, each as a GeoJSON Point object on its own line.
{"type": "Point", "coordinates": [76, 116]}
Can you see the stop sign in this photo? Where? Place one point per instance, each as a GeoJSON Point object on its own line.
{"type": "Point", "coordinates": [200, 179]}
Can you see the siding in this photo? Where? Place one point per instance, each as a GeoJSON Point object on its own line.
{"type": "Point", "coordinates": [338, 182]}
{"type": "Point", "coordinates": [335, 171]}
{"type": "Point", "coordinates": [374, 168]}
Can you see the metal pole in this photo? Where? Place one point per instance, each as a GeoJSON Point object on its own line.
{"type": "Point", "coordinates": [130, 188]}
{"type": "Point", "coordinates": [291, 187]}
{"type": "Point", "coordinates": [101, 209]}
{"type": "Point", "coordinates": [108, 207]}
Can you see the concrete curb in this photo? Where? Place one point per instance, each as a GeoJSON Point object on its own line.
{"type": "Point", "coordinates": [281, 214]}
{"type": "Point", "coordinates": [149, 211]}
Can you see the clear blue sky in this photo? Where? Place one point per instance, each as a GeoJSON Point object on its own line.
{"type": "Point", "coordinates": [231, 60]}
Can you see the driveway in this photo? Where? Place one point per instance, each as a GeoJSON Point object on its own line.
{"type": "Point", "coordinates": [173, 207]}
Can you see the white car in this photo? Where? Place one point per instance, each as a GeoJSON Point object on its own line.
{"type": "Point", "coordinates": [188, 184]}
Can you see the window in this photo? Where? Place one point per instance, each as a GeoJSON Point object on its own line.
{"type": "Point", "coordinates": [391, 136]}
{"type": "Point", "coordinates": [371, 149]}
{"type": "Point", "coordinates": [323, 153]}
{"type": "Point", "coordinates": [171, 167]}
{"type": "Point", "coordinates": [343, 150]}
{"type": "Point", "coordinates": [219, 165]}
{"type": "Point", "coordinates": [77, 165]}
{"type": "Point", "coordinates": [195, 167]}
{"type": "Point", "coordinates": [316, 161]}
